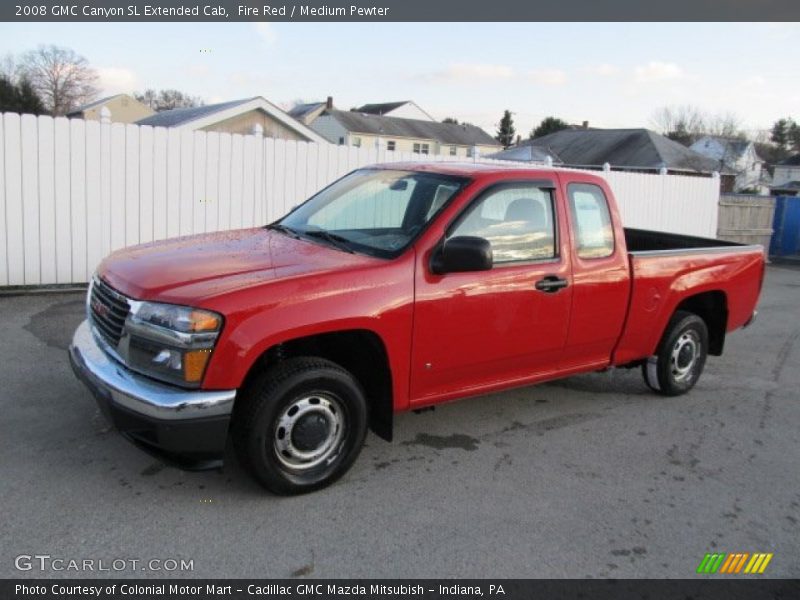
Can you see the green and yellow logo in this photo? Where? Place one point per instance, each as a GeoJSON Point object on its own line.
{"type": "Point", "coordinates": [734, 563]}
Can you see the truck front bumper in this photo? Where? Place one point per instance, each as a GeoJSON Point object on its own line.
{"type": "Point", "coordinates": [185, 427]}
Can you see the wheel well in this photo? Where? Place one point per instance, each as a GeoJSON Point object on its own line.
{"type": "Point", "coordinates": [361, 352]}
{"type": "Point", "coordinates": [712, 307]}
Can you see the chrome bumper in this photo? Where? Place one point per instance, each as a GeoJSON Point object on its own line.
{"type": "Point", "coordinates": [140, 394]}
{"type": "Point", "coordinates": [187, 427]}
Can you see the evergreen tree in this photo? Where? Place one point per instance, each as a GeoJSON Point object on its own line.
{"type": "Point", "coordinates": [506, 131]}
{"type": "Point", "coordinates": [547, 126]}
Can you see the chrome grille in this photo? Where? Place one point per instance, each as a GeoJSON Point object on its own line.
{"type": "Point", "coordinates": [108, 309]}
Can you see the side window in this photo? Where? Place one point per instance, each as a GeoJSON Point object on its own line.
{"type": "Point", "coordinates": [590, 216]}
{"type": "Point", "coordinates": [517, 221]}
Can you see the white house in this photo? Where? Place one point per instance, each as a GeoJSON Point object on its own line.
{"type": "Point", "coordinates": [245, 116]}
{"type": "Point", "coordinates": [738, 156]}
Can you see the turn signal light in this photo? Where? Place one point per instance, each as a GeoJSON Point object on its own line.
{"type": "Point", "coordinates": [194, 365]}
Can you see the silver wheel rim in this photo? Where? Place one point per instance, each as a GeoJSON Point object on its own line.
{"type": "Point", "coordinates": [684, 355]}
{"type": "Point", "coordinates": [320, 413]}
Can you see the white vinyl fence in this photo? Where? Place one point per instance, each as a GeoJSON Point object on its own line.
{"type": "Point", "coordinates": [71, 191]}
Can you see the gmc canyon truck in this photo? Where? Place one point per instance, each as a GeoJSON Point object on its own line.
{"type": "Point", "coordinates": [396, 288]}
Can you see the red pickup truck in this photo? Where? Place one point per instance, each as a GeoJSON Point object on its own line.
{"type": "Point", "coordinates": [395, 288]}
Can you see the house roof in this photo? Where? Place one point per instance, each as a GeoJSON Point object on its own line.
{"type": "Point", "coordinates": [631, 148]}
{"type": "Point", "coordinates": [179, 116]}
{"type": "Point", "coordinates": [384, 108]}
{"type": "Point", "coordinates": [789, 186]}
{"type": "Point", "coordinates": [445, 133]}
{"type": "Point", "coordinates": [198, 117]}
{"type": "Point", "coordinates": [86, 107]}
{"type": "Point", "coordinates": [521, 153]}
{"type": "Point", "coordinates": [301, 110]}
{"type": "Point", "coordinates": [381, 108]}
{"type": "Point", "coordinates": [792, 161]}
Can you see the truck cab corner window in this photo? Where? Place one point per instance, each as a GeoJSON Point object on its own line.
{"type": "Point", "coordinates": [594, 234]}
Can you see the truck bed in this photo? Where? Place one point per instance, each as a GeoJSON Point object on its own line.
{"type": "Point", "coordinates": [663, 266]}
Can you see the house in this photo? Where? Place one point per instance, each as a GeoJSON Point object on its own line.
{"type": "Point", "coordinates": [405, 109]}
{"type": "Point", "coordinates": [416, 136]}
{"type": "Point", "coordinates": [737, 156]}
{"type": "Point", "coordinates": [627, 150]}
{"type": "Point", "coordinates": [246, 116]}
{"type": "Point", "coordinates": [121, 108]}
{"type": "Point", "coordinates": [786, 171]}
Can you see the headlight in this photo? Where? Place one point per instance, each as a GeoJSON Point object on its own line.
{"type": "Point", "coordinates": [169, 342]}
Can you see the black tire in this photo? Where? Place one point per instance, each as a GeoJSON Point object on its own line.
{"type": "Point", "coordinates": [680, 356]}
{"type": "Point", "coordinates": [295, 409]}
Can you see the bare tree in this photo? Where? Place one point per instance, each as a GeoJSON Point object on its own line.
{"type": "Point", "coordinates": [725, 125]}
{"type": "Point", "coordinates": [62, 78]}
{"type": "Point", "coordinates": [167, 99]}
{"type": "Point", "coordinates": [683, 124]}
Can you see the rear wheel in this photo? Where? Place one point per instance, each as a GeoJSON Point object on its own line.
{"type": "Point", "coordinates": [300, 425]}
{"type": "Point", "coordinates": [680, 357]}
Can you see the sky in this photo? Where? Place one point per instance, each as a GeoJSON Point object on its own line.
{"type": "Point", "coordinates": [610, 74]}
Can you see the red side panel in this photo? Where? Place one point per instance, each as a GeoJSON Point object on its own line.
{"type": "Point", "coordinates": [662, 282]}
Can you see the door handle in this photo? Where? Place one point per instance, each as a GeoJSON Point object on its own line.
{"type": "Point", "coordinates": [551, 284]}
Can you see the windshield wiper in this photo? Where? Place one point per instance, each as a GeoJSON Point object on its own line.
{"type": "Point", "coordinates": [333, 239]}
{"type": "Point", "coordinates": [283, 229]}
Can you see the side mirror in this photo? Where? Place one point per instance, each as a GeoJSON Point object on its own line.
{"type": "Point", "coordinates": [462, 254]}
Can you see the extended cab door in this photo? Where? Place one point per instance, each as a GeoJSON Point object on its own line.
{"type": "Point", "coordinates": [477, 330]}
{"type": "Point", "coordinates": [601, 278]}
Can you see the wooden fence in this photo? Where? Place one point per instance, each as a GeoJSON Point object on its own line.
{"type": "Point", "coordinates": [71, 191]}
{"type": "Point", "coordinates": [746, 219]}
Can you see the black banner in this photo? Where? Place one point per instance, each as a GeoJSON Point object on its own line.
{"type": "Point", "coordinates": [422, 589]}
{"type": "Point", "coordinates": [398, 10]}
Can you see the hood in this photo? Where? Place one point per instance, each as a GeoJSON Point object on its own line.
{"type": "Point", "coordinates": [188, 269]}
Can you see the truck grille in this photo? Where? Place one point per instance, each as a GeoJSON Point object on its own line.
{"type": "Point", "coordinates": [108, 309]}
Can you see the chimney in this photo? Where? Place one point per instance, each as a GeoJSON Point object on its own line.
{"type": "Point", "coordinates": [585, 125]}
{"type": "Point", "coordinates": [329, 103]}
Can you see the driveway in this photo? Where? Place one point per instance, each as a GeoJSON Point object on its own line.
{"type": "Point", "coordinates": [591, 476]}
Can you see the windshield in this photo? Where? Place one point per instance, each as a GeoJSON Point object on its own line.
{"type": "Point", "coordinates": [373, 210]}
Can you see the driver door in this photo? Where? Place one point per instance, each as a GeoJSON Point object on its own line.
{"type": "Point", "coordinates": [478, 330]}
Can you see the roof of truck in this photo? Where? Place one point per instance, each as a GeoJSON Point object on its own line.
{"type": "Point", "coordinates": [475, 169]}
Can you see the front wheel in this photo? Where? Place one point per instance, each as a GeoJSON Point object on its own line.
{"type": "Point", "coordinates": [680, 357]}
{"type": "Point", "coordinates": [300, 425]}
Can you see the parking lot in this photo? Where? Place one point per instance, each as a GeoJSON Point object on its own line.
{"type": "Point", "coordinates": [592, 476]}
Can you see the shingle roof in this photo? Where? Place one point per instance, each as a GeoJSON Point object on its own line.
{"type": "Point", "coordinates": [178, 116]}
{"type": "Point", "coordinates": [301, 110]}
{"type": "Point", "coordinates": [89, 105]}
{"type": "Point", "coordinates": [527, 154]}
{"type": "Point", "coordinates": [445, 133]}
{"type": "Point", "coordinates": [792, 161]}
{"type": "Point", "coordinates": [633, 148]}
{"type": "Point", "coordinates": [789, 185]}
{"type": "Point", "coordinates": [381, 108]}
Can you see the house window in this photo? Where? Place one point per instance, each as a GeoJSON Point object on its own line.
{"type": "Point", "coordinates": [390, 145]}
{"type": "Point", "coordinates": [356, 142]}
{"type": "Point", "coordinates": [425, 148]}
{"type": "Point", "coordinates": [470, 152]}
{"type": "Point", "coordinates": [453, 150]}
{"type": "Point", "coordinates": [416, 148]}
{"type": "Point", "coordinates": [341, 141]}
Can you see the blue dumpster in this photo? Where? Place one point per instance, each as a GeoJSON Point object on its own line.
{"type": "Point", "coordinates": [786, 226]}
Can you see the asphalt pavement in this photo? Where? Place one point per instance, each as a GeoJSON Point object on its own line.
{"type": "Point", "coordinates": [591, 476]}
